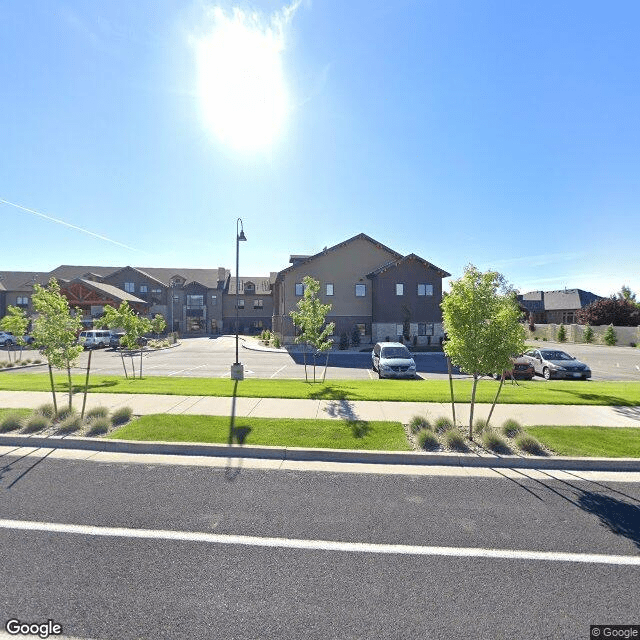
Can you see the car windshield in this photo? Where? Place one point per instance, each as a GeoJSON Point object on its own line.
{"type": "Point", "coordinates": [395, 352]}
{"type": "Point", "coordinates": [556, 355]}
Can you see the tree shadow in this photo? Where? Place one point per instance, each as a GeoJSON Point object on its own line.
{"type": "Point", "coordinates": [328, 392]}
{"type": "Point", "coordinates": [601, 399]}
{"type": "Point", "coordinates": [9, 467]}
{"type": "Point", "coordinates": [359, 428]}
{"type": "Point", "coordinates": [632, 412]}
{"type": "Point", "coordinates": [342, 409]}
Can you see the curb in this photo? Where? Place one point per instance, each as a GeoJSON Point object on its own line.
{"type": "Point", "coordinates": [323, 455]}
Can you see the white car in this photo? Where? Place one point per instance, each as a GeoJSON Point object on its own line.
{"type": "Point", "coordinates": [393, 360]}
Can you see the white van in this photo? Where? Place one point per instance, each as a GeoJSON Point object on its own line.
{"type": "Point", "coordinates": [94, 339]}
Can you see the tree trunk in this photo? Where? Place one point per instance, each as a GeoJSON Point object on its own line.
{"type": "Point", "coordinates": [315, 355]}
{"type": "Point", "coordinates": [326, 364]}
{"type": "Point", "coordinates": [70, 387]}
{"type": "Point", "coordinates": [86, 386]}
{"type": "Point", "coordinates": [473, 399]}
{"type": "Point", "coordinates": [124, 366]}
{"type": "Point", "coordinates": [140, 362]}
{"type": "Point", "coordinates": [53, 391]}
{"type": "Point", "coordinates": [496, 398]}
{"type": "Point", "coordinates": [453, 403]}
{"type": "Point", "coordinates": [304, 356]}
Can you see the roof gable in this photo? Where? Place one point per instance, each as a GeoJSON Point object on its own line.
{"type": "Point", "coordinates": [394, 264]}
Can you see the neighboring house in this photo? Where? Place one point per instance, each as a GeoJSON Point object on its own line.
{"type": "Point", "coordinates": [255, 305]}
{"type": "Point", "coordinates": [369, 286]}
{"type": "Point", "coordinates": [556, 307]}
{"type": "Point", "coordinates": [16, 289]}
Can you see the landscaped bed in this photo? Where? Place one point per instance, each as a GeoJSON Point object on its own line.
{"type": "Point", "coordinates": [536, 392]}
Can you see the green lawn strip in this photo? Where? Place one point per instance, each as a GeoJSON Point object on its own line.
{"type": "Point", "coordinates": [22, 412]}
{"type": "Point", "coordinates": [599, 442]}
{"type": "Point", "coordinates": [538, 392]}
{"type": "Point", "coordinates": [332, 434]}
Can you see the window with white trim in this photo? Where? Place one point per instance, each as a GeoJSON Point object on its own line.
{"type": "Point", "coordinates": [361, 290]}
{"type": "Point", "coordinates": [399, 288]}
{"type": "Point", "coordinates": [299, 289]}
{"type": "Point", "coordinates": [130, 287]}
{"type": "Point", "coordinates": [425, 289]}
{"type": "Point", "coordinates": [329, 288]}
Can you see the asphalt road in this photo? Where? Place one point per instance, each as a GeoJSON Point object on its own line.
{"type": "Point", "coordinates": [125, 587]}
{"type": "Point", "coordinates": [212, 357]}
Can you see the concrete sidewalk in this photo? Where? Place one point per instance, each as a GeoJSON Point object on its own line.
{"type": "Point", "coordinates": [525, 414]}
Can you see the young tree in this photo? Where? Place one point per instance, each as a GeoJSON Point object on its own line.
{"type": "Point", "coordinates": [15, 322]}
{"type": "Point", "coordinates": [158, 324]}
{"type": "Point", "coordinates": [562, 334]}
{"type": "Point", "coordinates": [55, 330]}
{"type": "Point", "coordinates": [134, 327]}
{"type": "Point", "coordinates": [310, 318]}
{"type": "Point", "coordinates": [481, 320]}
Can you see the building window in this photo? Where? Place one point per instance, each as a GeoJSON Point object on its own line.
{"type": "Point", "coordinates": [299, 289]}
{"type": "Point", "coordinates": [130, 287]}
{"type": "Point", "coordinates": [399, 329]}
{"type": "Point", "coordinates": [257, 324]}
{"type": "Point", "coordinates": [425, 328]}
{"type": "Point", "coordinates": [22, 301]}
{"type": "Point", "coordinates": [258, 303]}
{"type": "Point", "coordinates": [399, 289]}
{"type": "Point", "coordinates": [195, 301]}
{"type": "Point", "coordinates": [361, 290]}
{"type": "Point", "coordinates": [362, 328]}
{"type": "Point", "coordinates": [214, 300]}
{"type": "Point", "coordinates": [249, 287]}
{"type": "Point", "coordinates": [156, 290]}
{"type": "Point", "coordinates": [143, 288]}
{"type": "Point", "coordinates": [425, 289]}
{"type": "Point", "coordinates": [329, 288]}
{"type": "Point", "coordinates": [240, 303]}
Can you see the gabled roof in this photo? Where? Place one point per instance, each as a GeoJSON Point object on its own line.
{"type": "Point", "coordinates": [137, 270]}
{"type": "Point", "coordinates": [340, 245]}
{"type": "Point", "coordinates": [564, 299]}
{"type": "Point", "coordinates": [72, 272]}
{"type": "Point", "coordinates": [262, 286]}
{"type": "Point", "coordinates": [206, 277]}
{"type": "Point", "coordinates": [412, 256]}
{"type": "Point", "coordinates": [110, 290]}
{"type": "Point", "coordinates": [22, 280]}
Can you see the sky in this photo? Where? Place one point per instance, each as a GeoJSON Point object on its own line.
{"type": "Point", "coordinates": [496, 133]}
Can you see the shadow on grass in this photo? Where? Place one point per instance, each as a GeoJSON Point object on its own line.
{"type": "Point", "coordinates": [359, 428]}
{"type": "Point", "coordinates": [328, 392]}
{"type": "Point", "coordinates": [79, 388]}
{"type": "Point", "coordinates": [599, 398]}
{"type": "Point", "coordinates": [237, 436]}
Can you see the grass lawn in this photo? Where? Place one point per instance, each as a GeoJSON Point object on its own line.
{"type": "Point", "coordinates": [284, 432]}
{"type": "Point", "coordinates": [552, 392]}
{"type": "Point", "coordinates": [605, 442]}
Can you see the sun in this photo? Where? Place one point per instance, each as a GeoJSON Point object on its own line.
{"type": "Point", "coordinates": [241, 83]}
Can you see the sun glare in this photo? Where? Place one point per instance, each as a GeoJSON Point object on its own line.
{"type": "Point", "coordinates": [241, 81]}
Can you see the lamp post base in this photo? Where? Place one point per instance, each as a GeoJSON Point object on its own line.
{"type": "Point", "coordinates": [237, 371]}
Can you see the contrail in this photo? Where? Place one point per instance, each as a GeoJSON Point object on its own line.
{"type": "Point", "coordinates": [66, 224]}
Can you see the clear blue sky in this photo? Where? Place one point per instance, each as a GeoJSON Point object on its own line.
{"type": "Point", "coordinates": [499, 133]}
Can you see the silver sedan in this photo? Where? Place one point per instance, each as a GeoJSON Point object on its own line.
{"type": "Point", "coordinates": [552, 363]}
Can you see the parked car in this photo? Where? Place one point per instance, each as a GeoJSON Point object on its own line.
{"type": "Point", "coordinates": [114, 342]}
{"type": "Point", "coordinates": [393, 360]}
{"type": "Point", "coordinates": [7, 338]}
{"type": "Point", "coordinates": [552, 363]}
{"type": "Point", "coordinates": [522, 369]}
{"type": "Point", "coordinates": [94, 339]}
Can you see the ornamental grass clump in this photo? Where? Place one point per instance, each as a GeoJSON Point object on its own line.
{"type": "Point", "coordinates": [96, 412]}
{"type": "Point", "coordinates": [427, 440]}
{"type": "Point", "coordinates": [99, 426]}
{"type": "Point", "coordinates": [35, 422]}
{"type": "Point", "coordinates": [70, 424]}
{"type": "Point", "coordinates": [418, 423]}
{"type": "Point", "coordinates": [495, 443]}
{"type": "Point", "coordinates": [64, 413]}
{"type": "Point", "coordinates": [529, 444]}
{"type": "Point", "coordinates": [511, 428]}
{"type": "Point", "coordinates": [11, 421]}
{"type": "Point", "coordinates": [45, 410]}
{"type": "Point", "coordinates": [121, 416]}
{"type": "Point", "coordinates": [480, 425]}
{"type": "Point", "coordinates": [442, 424]}
{"type": "Point", "coordinates": [455, 441]}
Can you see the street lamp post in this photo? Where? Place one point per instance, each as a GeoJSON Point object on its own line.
{"type": "Point", "coordinates": [237, 370]}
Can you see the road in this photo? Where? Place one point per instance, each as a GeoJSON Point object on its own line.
{"type": "Point", "coordinates": [212, 357]}
{"type": "Point", "coordinates": [327, 574]}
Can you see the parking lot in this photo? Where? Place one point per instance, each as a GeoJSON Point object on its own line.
{"type": "Point", "coordinates": [212, 357]}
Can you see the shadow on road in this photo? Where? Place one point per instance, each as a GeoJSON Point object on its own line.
{"type": "Point", "coordinates": [10, 467]}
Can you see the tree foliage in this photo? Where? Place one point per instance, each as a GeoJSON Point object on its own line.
{"type": "Point", "coordinates": [158, 324]}
{"type": "Point", "coordinates": [15, 322]}
{"type": "Point", "coordinates": [310, 318]}
{"type": "Point", "coordinates": [481, 320]}
{"type": "Point", "coordinates": [619, 312]}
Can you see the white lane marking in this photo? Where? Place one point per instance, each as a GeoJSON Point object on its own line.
{"type": "Point", "coordinates": [321, 545]}
{"type": "Point", "coordinates": [174, 373]}
{"type": "Point", "coordinates": [278, 371]}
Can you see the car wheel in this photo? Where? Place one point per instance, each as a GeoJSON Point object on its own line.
{"type": "Point", "coordinates": [546, 372]}
{"type": "Point", "coordinates": [7, 343]}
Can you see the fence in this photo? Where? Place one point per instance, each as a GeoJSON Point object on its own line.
{"type": "Point", "coordinates": [627, 336]}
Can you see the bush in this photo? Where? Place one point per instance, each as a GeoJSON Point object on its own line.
{"type": "Point", "coordinates": [64, 413]}
{"type": "Point", "coordinates": [35, 422]}
{"type": "Point", "coordinates": [610, 337]}
{"type": "Point", "coordinates": [418, 423]}
{"type": "Point", "coordinates": [96, 412]}
{"type": "Point", "coordinates": [511, 428]}
{"type": "Point", "coordinates": [530, 445]}
{"type": "Point", "coordinates": [562, 334]}
{"type": "Point", "coordinates": [355, 336]}
{"type": "Point", "coordinates": [121, 416]}
{"type": "Point", "coordinates": [455, 440]}
{"type": "Point", "coordinates": [344, 341]}
{"type": "Point", "coordinates": [494, 442]}
{"type": "Point", "coordinates": [98, 426]}
{"type": "Point", "coordinates": [70, 424]}
{"type": "Point", "coordinates": [480, 425]}
{"type": "Point", "coordinates": [11, 421]}
{"type": "Point", "coordinates": [427, 440]}
{"type": "Point", "coordinates": [45, 410]}
{"type": "Point", "coordinates": [588, 334]}
{"type": "Point", "coordinates": [442, 424]}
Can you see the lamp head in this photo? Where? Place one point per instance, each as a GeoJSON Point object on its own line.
{"type": "Point", "coordinates": [242, 237]}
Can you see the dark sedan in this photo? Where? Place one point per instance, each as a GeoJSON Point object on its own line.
{"type": "Point", "coordinates": [552, 363]}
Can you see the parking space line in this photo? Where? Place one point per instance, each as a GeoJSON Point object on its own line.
{"type": "Point", "coordinates": [278, 371]}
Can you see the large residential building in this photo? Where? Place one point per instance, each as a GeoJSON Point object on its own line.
{"type": "Point", "coordinates": [386, 295]}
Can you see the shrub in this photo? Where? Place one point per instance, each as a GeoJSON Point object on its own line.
{"type": "Point", "coordinates": [480, 425]}
{"type": "Point", "coordinates": [37, 361]}
{"type": "Point", "coordinates": [45, 410]}
{"type": "Point", "coordinates": [610, 337]}
{"type": "Point", "coordinates": [355, 336]}
{"type": "Point", "coordinates": [442, 424]}
{"type": "Point", "coordinates": [98, 426]}
{"type": "Point", "coordinates": [494, 442]}
{"type": "Point", "coordinates": [276, 342]}
{"type": "Point", "coordinates": [511, 428]}
{"type": "Point", "coordinates": [427, 440]}
{"type": "Point", "coordinates": [121, 416]}
{"type": "Point", "coordinates": [96, 412]}
{"type": "Point", "coordinates": [588, 334]}
{"type": "Point", "coordinates": [529, 444]}
{"type": "Point", "coordinates": [9, 365]}
{"type": "Point", "coordinates": [344, 341]}
{"type": "Point", "coordinates": [455, 440]}
{"type": "Point", "coordinates": [11, 421]}
{"type": "Point", "coordinates": [35, 422]}
{"type": "Point", "coordinates": [64, 413]}
{"type": "Point", "coordinates": [418, 423]}
{"type": "Point", "coordinates": [70, 424]}
{"type": "Point", "coordinates": [562, 334]}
